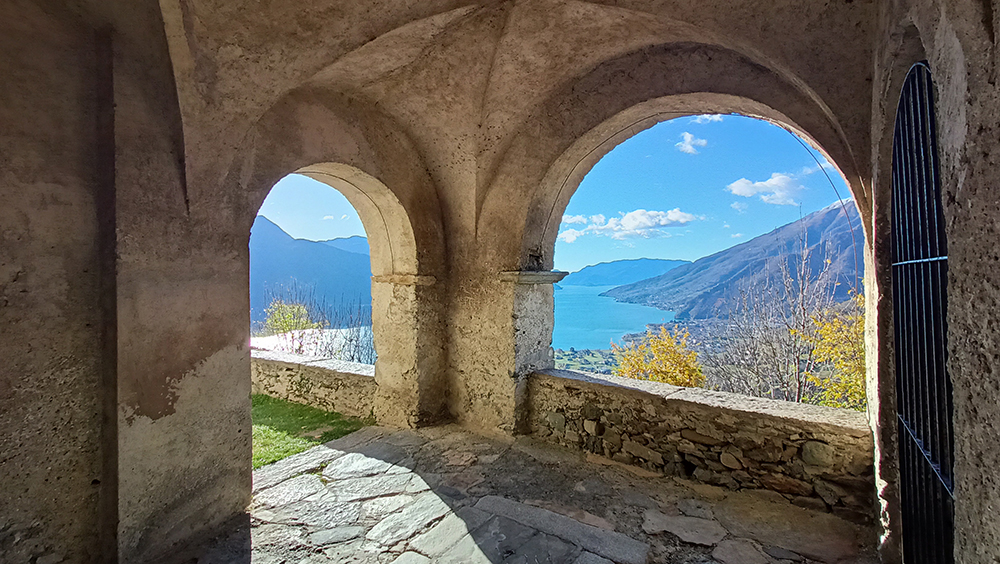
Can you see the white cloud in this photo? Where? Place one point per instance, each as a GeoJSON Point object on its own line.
{"type": "Point", "coordinates": [634, 224]}
{"type": "Point", "coordinates": [343, 216]}
{"type": "Point", "coordinates": [736, 235]}
{"type": "Point", "coordinates": [705, 118]}
{"type": "Point", "coordinates": [739, 206]}
{"type": "Point", "coordinates": [574, 219]}
{"type": "Point", "coordinates": [780, 189]}
{"type": "Point", "coordinates": [807, 170]}
{"type": "Point", "coordinates": [570, 235]}
{"type": "Point", "coordinates": [689, 142]}
{"type": "Point", "coordinates": [640, 223]}
{"type": "Point", "coordinates": [725, 226]}
{"type": "Point", "coordinates": [327, 217]}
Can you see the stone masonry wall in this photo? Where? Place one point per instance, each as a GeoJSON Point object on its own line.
{"type": "Point", "coordinates": [817, 457]}
{"type": "Point", "coordinates": [345, 387]}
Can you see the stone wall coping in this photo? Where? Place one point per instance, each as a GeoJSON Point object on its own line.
{"type": "Point", "coordinates": [843, 421]}
{"type": "Point", "coordinates": [533, 276]}
{"type": "Point", "coordinates": [331, 364]}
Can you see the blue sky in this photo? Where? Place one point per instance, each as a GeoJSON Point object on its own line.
{"type": "Point", "coordinates": [689, 187]}
{"type": "Point", "coordinates": [308, 209]}
{"type": "Point", "coordinates": [682, 189]}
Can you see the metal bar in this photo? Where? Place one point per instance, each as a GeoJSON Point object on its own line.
{"type": "Point", "coordinates": [916, 443]}
{"type": "Point", "coordinates": [948, 454]}
{"type": "Point", "coordinates": [921, 261]}
{"type": "Point", "coordinates": [924, 402]}
{"type": "Point", "coordinates": [937, 217]}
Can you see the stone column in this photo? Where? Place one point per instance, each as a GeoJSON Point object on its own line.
{"type": "Point", "coordinates": [407, 332]}
{"type": "Point", "coordinates": [533, 321]}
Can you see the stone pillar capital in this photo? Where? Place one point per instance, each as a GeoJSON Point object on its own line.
{"type": "Point", "coordinates": [532, 276]}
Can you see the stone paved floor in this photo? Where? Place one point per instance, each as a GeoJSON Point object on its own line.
{"type": "Point", "coordinates": [444, 495]}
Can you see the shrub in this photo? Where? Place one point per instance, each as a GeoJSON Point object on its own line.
{"type": "Point", "coordinates": [283, 317]}
{"type": "Point", "coordinates": [308, 324]}
{"type": "Point", "coordinates": [662, 357]}
{"type": "Point", "coordinates": [292, 322]}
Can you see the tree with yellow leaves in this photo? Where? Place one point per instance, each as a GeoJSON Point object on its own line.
{"type": "Point", "coordinates": [839, 342]}
{"type": "Point", "coordinates": [662, 357]}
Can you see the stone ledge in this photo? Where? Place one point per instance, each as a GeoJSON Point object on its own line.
{"type": "Point", "coordinates": [846, 421]}
{"type": "Point", "coordinates": [348, 388]}
{"type": "Point", "coordinates": [532, 276]}
{"type": "Point", "coordinates": [816, 457]}
{"type": "Point", "coordinates": [334, 365]}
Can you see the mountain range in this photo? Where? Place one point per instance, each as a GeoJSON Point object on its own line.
{"type": "Point", "coordinates": [352, 244]}
{"type": "Point", "coordinates": [618, 272]}
{"type": "Point", "coordinates": [706, 287]}
{"type": "Point", "coordinates": [338, 270]}
{"type": "Point", "coordinates": [335, 270]}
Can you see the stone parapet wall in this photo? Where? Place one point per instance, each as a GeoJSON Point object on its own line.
{"type": "Point", "coordinates": [333, 385]}
{"type": "Point", "coordinates": [817, 457]}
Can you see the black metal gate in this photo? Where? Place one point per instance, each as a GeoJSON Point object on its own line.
{"type": "Point", "coordinates": [919, 295]}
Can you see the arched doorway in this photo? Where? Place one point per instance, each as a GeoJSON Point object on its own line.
{"type": "Point", "coordinates": [310, 274]}
{"type": "Point", "coordinates": [771, 260]}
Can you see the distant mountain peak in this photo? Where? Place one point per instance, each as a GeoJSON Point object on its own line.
{"type": "Point", "coordinates": [353, 244]}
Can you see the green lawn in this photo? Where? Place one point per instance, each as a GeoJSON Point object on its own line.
{"type": "Point", "coordinates": [283, 428]}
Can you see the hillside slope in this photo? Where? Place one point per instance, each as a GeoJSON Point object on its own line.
{"type": "Point", "coordinates": [353, 244]}
{"type": "Point", "coordinates": [706, 287]}
{"type": "Point", "coordinates": [618, 272]}
{"type": "Point", "coordinates": [276, 259]}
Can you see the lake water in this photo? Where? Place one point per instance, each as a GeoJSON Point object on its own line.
{"type": "Point", "coordinates": [586, 320]}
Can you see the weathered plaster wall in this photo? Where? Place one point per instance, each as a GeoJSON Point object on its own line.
{"type": "Point", "coordinates": [51, 322]}
{"type": "Point", "coordinates": [817, 457]}
{"type": "Point", "coordinates": [348, 388]}
{"type": "Point", "coordinates": [959, 40]}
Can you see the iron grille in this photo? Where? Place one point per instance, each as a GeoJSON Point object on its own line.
{"type": "Point", "coordinates": [919, 295]}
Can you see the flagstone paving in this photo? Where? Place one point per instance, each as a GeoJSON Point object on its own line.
{"type": "Point", "coordinates": [443, 495]}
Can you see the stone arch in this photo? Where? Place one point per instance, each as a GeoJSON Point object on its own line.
{"type": "Point", "coordinates": [543, 164]}
{"type": "Point", "coordinates": [568, 171]}
{"type": "Point", "coordinates": [390, 235]}
{"type": "Point", "coordinates": [585, 119]}
{"type": "Point", "coordinates": [345, 144]}
{"type": "Point", "coordinates": [342, 141]}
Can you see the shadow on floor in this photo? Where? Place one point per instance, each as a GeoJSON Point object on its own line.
{"type": "Point", "coordinates": [446, 496]}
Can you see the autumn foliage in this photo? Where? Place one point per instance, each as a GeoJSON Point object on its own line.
{"type": "Point", "coordinates": [662, 357]}
{"type": "Point", "coordinates": [839, 341]}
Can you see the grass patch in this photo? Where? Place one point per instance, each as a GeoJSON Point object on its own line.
{"type": "Point", "coordinates": [586, 360]}
{"type": "Point", "coordinates": [282, 428]}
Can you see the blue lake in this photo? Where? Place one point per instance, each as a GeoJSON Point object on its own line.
{"type": "Point", "coordinates": [586, 320]}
